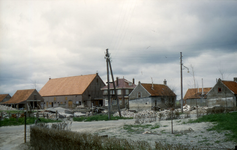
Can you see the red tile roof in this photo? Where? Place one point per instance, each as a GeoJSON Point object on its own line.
{"type": "Point", "coordinates": [122, 84]}
{"type": "Point", "coordinates": [20, 96]}
{"type": "Point", "coordinates": [195, 93]}
{"type": "Point", "coordinates": [232, 85]}
{"type": "Point", "coordinates": [2, 96]}
{"type": "Point", "coordinates": [158, 89]}
{"type": "Point", "coordinates": [75, 85]}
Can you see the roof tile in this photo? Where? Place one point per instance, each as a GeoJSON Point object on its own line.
{"type": "Point", "coordinates": [158, 89]}
{"type": "Point", "coordinates": [20, 96]}
{"type": "Point", "coordinates": [232, 85]}
{"type": "Point", "coordinates": [195, 93]}
{"type": "Point", "coordinates": [75, 85]}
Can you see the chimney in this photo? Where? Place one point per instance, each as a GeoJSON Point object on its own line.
{"type": "Point", "coordinates": [235, 79]}
{"type": "Point", "coordinates": [49, 78]}
{"type": "Point", "coordinates": [117, 82]}
{"type": "Point", "coordinates": [133, 80]}
{"type": "Point", "coordinates": [165, 82]}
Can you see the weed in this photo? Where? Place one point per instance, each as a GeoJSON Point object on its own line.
{"type": "Point", "coordinates": [165, 126]}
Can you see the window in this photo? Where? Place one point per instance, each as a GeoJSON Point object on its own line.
{"type": "Point", "coordinates": [105, 92]}
{"type": "Point", "coordinates": [139, 95]}
{"type": "Point", "coordinates": [35, 98]}
{"type": "Point", "coordinates": [219, 90]}
{"type": "Point", "coordinates": [111, 92]}
{"type": "Point", "coordinates": [119, 92]}
{"type": "Point", "coordinates": [126, 92]}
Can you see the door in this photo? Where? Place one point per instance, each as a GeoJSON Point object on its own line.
{"type": "Point", "coordinates": [70, 104]}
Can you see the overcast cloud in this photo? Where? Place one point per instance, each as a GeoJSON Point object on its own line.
{"type": "Point", "coordinates": [42, 39]}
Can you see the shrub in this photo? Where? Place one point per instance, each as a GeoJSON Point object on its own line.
{"type": "Point", "coordinates": [48, 139]}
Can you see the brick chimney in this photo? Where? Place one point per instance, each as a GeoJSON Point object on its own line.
{"type": "Point", "coordinates": [165, 82]}
{"type": "Point", "coordinates": [133, 81]}
{"type": "Point", "coordinates": [235, 79]}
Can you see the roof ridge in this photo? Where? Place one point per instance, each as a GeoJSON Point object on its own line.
{"type": "Point", "coordinates": [72, 76]}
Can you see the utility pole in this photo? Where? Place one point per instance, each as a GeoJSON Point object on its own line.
{"type": "Point", "coordinates": [109, 67]}
{"type": "Point", "coordinates": [181, 76]}
{"type": "Point", "coordinates": [107, 64]}
{"type": "Point", "coordinates": [115, 89]}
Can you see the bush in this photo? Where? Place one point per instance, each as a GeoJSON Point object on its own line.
{"type": "Point", "coordinates": [50, 139]}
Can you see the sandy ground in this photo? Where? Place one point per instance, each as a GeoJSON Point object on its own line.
{"type": "Point", "coordinates": [12, 137]}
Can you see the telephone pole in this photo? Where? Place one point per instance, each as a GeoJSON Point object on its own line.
{"type": "Point", "coordinates": [115, 89]}
{"type": "Point", "coordinates": [109, 67]}
{"type": "Point", "coordinates": [181, 76]}
{"type": "Point", "coordinates": [107, 64]}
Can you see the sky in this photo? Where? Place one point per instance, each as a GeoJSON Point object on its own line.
{"type": "Point", "coordinates": [44, 39]}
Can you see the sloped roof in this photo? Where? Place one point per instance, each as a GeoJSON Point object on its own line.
{"type": "Point", "coordinates": [195, 93]}
{"type": "Point", "coordinates": [232, 85]}
{"type": "Point", "coordinates": [158, 89]}
{"type": "Point", "coordinates": [122, 84]}
{"type": "Point", "coordinates": [20, 96]}
{"type": "Point", "coordinates": [75, 85]}
{"type": "Point", "coordinates": [2, 96]}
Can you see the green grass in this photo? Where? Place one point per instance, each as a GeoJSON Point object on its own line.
{"type": "Point", "coordinates": [226, 121]}
{"type": "Point", "coordinates": [155, 126]}
{"type": "Point", "coordinates": [21, 121]}
{"type": "Point", "coordinates": [99, 117]}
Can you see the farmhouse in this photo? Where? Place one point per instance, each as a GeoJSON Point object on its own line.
{"type": "Point", "coordinates": [151, 96]}
{"type": "Point", "coordinates": [4, 98]}
{"type": "Point", "coordinates": [25, 99]}
{"type": "Point", "coordinates": [73, 91]}
{"type": "Point", "coordinates": [196, 96]}
{"type": "Point", "coordinates": [224, 93]}
{"type": "Point", "coordinates": [123, 87]}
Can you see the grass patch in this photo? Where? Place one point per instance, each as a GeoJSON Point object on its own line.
{"type": "Point", "coordinates": [217, 142]}
{"type": "Point", "coordinates": [21, 121]}
{"type": "Point", "coordinates": [99, 117]}
{"type": "Point", "coordinates": [156, 126]}
{"type": "Point", "coordinates": [136, 128]}
{"type": "Point", "coordinates": [165, 126]}
{"type": "Point", "coordinates": [178, 134]}
{"type": "Point", "coordinates": [226, 121]}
